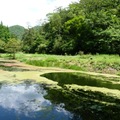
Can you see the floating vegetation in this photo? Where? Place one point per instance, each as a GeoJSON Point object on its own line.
{"type": "Point", "coordinates": [88, 104]}
{"type": "Point", "coordinates": [87, 98]}
{"type": "Point", "coordinates": [80, 79]}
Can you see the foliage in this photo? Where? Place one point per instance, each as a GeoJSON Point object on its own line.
{"type": "Point", "coordinates": [91, 26]}
{"type": "Point", "coordinates": [33, 41]}
{"type": "Point", "coordinates": [13, 46]}
{"type": "Point", "coordinates": [17, 31]}
{"type": "Point", "coordinates": [4, 33]}
{"type": "Point", "coordinates": [2, 45]}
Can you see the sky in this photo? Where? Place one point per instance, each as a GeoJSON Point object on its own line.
{"type": "Point", "coordinates": [28, 12]}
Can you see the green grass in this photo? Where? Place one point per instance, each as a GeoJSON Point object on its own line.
{"type": "Point", "coordinates": [94, 63]}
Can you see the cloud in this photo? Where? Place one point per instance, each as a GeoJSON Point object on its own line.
{"type": "Point", "coordinates": [23, 12]}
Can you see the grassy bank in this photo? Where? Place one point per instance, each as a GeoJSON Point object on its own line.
{"type": "Point", "coordinates": [92, 63]}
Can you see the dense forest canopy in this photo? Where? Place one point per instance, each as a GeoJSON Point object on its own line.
{"type": "Point", "coordinates": [87, 26]}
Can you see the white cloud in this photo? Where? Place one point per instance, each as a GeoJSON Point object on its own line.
{"type": "Point", "coordinates": [23, 12]}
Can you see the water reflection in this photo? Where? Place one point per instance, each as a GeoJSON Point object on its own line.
{"type": "Point", "coordinates": [27, 102]}
{"type": "Point", "coordinates": [14, 68]}
{"type": "Point", "coordinates": [8, 65]}
{"type": "Point", "coordinates": [91, 105]}
{"type": "Point", "coordinates": [76, 78]}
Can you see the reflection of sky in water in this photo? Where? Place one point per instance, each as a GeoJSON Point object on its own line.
{"type": "Point", "coordinates": [26, 102]}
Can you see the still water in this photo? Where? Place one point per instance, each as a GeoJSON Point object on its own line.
{"type": "Point", "coordinates": [90, 105]}
{"type": "Point", "coordinates": [27, 102]}
{"type": "Point", "coordinates": [78, 79]}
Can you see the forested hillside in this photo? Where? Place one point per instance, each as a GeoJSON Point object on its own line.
{"type": "Point", "coordinates": [17, 31]}
{"type": "Point", "coordinates": [87, 26]}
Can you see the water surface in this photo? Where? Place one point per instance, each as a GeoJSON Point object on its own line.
{"type": "Point", "coordinates": [27, 102]}
{"type": "Point", "coordinates": [76, 78]}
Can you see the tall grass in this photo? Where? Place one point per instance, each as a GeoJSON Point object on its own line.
{"type": "Point", "coordinates": [95, 63]}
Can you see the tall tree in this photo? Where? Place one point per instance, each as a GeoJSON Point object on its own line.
{"type": "Point", "coordinates": [4, 33]}
{"type": "Point", "coordinates": [2, 46]}
{"type": "Point", "coordinates": [13, 46]}
{"type": "Point", "coordinates": [32, 40]}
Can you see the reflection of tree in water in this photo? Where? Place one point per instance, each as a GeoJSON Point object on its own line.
{"type": "Point", "coordinates": [1, 85]}
{"type": "Point", "coordinates": [5, 61]}
{"type": "Point", "coordinates": [90, 105]}
{"type": "Point", "coordinates": [81, 79]}
{"type": "Point", "coordinates": [12, 68]}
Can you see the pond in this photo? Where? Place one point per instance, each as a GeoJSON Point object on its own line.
{"type": "Point", "coordinates": [79, 79]}
{"type": "Point", "coordinates": [90, 105]}
{"type": "Point", "coordinates": [27, 102]}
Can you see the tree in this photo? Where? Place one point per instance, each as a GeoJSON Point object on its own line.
{"type": "Point", "coordinates": [29, 39]}
{"type": "Point", "coordinates": [32, 39]}
{"type": "Point", "coordinates": [13, 46]}
{"type": "Point", "coordinates": [91, 26]}
{"type": "Point", "coordinates": [2, 46]}
{"type": "Point", "coordinates": [4, 33]}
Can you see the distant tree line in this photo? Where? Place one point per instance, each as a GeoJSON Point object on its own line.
{"type": "Point", "coordinates": [87, 26]}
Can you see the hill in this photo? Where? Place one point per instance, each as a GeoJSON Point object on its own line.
{"type": "Point", "coordinates": [37, 28]}
{"type": "Point", "coordinates": [17, 31]}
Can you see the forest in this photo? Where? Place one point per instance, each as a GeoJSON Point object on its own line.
{"type": "Point", "coordinates": [87, 26]}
